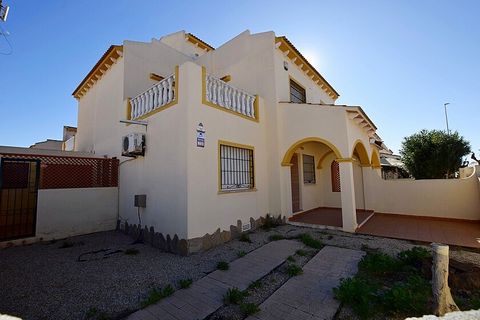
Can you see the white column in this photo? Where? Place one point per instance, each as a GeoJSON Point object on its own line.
{"type": "Point", "coordinates": [349, 215]}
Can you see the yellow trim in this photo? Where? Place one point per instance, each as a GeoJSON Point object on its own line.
{"type": "Point", "coordinates": [199, 42]}
{"type": "Point", "coordinates": [155, 77]}
{"type": "Point", "coordinates": [375, 159]}
{"type": "Point", "coordinates": [168, 105]}
{"type": "Point", "coordinates": [362, 152]}
{"type": "Point", "coordinates": [216, 106]}
{"type": "Point", "coordinates": [226, 78]}
{"type": "Point", "coordinates": [319, 166]}
{"type": "Point", "coordinates": [345, 160]}
{"type": "Point", "coordinates": [236, 145]}
{"type": "Point", "coordinates": [128, 114]}
{"type": "Point", "coordinates": [288, 155]}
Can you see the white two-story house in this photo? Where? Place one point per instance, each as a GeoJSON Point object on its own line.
{"type": "Point", "coordinates": [231, 133]}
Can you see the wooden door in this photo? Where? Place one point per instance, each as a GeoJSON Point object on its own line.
{"type": "Point", "coordinates": [295, 184]}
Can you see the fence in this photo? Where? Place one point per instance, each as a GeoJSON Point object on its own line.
{"type": "Point", "coordinates": [64, 172]}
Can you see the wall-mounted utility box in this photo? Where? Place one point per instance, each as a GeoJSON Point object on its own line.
{"type": "Point", "coordinates": [141, 200]}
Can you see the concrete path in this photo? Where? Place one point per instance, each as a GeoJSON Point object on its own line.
{"type": "Point", "coordinates": [205, 296]}
{"type": "Point", "coordinates": [310, 295]}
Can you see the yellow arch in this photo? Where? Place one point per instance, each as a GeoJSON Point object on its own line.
{"type": "Point", "coordinates": [329, 152]}
{"type": "Point", "coordinates": [296, 145]}
{"type": "Point", "coordinates": [362, 152]}
{"type": "Point", "coordinates": [375, 158]}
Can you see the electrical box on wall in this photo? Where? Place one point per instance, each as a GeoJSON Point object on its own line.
{"type": "Point", "coordinates": [141, 200]}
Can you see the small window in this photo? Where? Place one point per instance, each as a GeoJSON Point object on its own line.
{"type": "Point", "coordinates": [308, 169]}
{"type": "Point", "coordinates": [335, 172]}
{"type": "Point", "coordinates": [236, 168]}
{"type": "Point", "coordinates": [297, 93]}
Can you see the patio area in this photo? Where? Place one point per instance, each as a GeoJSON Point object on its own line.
{"type": "Point", "coordinates": [452, 232]}
{"type": "Point", "coordinates": [331, 218]}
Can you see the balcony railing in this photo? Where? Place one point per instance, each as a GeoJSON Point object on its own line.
{"type": "Point", "coordinates": [221, 94]}
{"type": "Point", "coordinates": [157, 96]}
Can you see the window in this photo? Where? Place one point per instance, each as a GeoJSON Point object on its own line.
{"type": "Point", "coordinates": [308, 169]}
{"type": "Point", "coordinates": [297, 93]}
{"type": "Point", "coordinates": [335, 172]}
{"type": "Point", "coordinates": [236, 167]}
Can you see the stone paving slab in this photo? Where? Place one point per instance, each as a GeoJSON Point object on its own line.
{"type": "Point", "coordinates": [310, 295]}
{"type": "Point", "coordinates": [205, 296]}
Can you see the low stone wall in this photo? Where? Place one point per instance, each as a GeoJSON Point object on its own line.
{"type": "Point", "coordinates": [183, 246]}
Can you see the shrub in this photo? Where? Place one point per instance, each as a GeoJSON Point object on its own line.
{"type": "Point", "coordinates": [255, 284]}
{"type": "Point", "coordinates": [311, 242]}
{"type": "Point", "coordinates": [233, 296]}
{"type": "Point", "coordinates": [358, 294]}
{"type": "Point", "coordinates": [269, 222]}
{"type": "Point", "coordinates": [131, 252]}
{"type": "Point", "coordinates": [249, 308]}
{"type": "Point", "coordinates": [415, 256]}
{"type": "Point", "coordinates": [379, 263]}
{"type": "Point", "coordinates": [244, 237]}
{"type": "Point", "coordinates": [301, 253]}
{"type": "Point", "coordinates": [185, 283]}
{"type": "Point", "coordinates": [156, 295]}
{"type": "Point", "coordinates": [276, 237]}
{"type": "Point", "coordinates": [411, 296]}
{"type": "Point", "coordinates": [294, 270]}
{"type": "Point", "coordinates": [291, 259]}
{"type": "Point", "coordinates": [241, 253]}
{"type": "Point", "coordinates": [223, 265]}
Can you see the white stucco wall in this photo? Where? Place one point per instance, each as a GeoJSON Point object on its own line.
{"type": "Point", "coordinates": [68, 212]}
{"type": "Point", "coordinates": [452, 198]}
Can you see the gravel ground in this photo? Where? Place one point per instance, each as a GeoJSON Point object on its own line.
{"type": "Point", "coordinates": [45, 281]}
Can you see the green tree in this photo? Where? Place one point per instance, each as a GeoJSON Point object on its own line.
{"type": "Point", "coordinates": [433, 154]}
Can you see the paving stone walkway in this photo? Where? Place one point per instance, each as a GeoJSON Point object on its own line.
{"type": "Point", "coordinates": [310, 296]}
{"type": "Point", "coordinates": [205, 296]}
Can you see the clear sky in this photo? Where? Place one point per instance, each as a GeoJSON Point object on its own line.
{"type": "Point", "coordinates": [399, 60]}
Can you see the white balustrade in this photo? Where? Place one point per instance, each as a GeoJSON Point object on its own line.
{"type": "Point", "coordinates": [158, 95]}
{"type": "Point", "coordinates": [220, 93]}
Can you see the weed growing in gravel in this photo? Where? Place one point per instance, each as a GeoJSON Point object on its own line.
{"type": "Point", "coordinates": [241, 253]}
{"type": "Point", "coordinates": [185, 283]}
{"type": "Point", "coordinates": [294, 270]}
{"type": "Point", "coordinates": [311, 242]}
{"type": "Point", "coordinates": [131, 252]}
{"type": "Point", "coordinates": [249, 308]}
{"type": "Point", "coordinates": [94, 313]}
{"type": "Point", "coordinates": [245, 237]}
{"type": "Point", "coordinates": [301, 253]}
{"type": "Point", "coordinates": [255, 284]}
{"type": "Point", "coordinates": [291, 259]}
{"type": "Point", "coordinates": [233, 296]}
{"type": "Point", "coordinates": [276, 237]}
{"type": "Point", "coordinates": [156, 295]}
{"type": "Point", "coordinates": [223, 265]}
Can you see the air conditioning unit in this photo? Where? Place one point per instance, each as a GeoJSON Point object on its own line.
{"type": "Point", "coordinates": [133, 144]}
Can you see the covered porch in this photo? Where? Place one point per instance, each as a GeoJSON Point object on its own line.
{"type": "Point", "coordinates": [328, 218]}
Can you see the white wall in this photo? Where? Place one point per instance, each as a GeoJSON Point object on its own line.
{"type": "Point", "coordinates": [452, 198]}
{"type": "Point", "coordinates": [64, 213]}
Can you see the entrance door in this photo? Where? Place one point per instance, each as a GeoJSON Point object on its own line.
{"type": "Point", "coordinates": [18, 197]}
{"type": "Point", "coordinates": [295, 184]}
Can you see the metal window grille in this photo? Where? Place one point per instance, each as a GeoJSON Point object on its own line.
{"type": "Point", "coordinates": [335, 172]}
{"type": "Point", "coordinates": [308, 169]}
{"type": "Point", "coordinates": [236, 168]}
{"type": "Point", "coordinates": [297, 93]}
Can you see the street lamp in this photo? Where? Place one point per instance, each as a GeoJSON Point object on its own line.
{"type": "Point", "coordinates": [446, 116]}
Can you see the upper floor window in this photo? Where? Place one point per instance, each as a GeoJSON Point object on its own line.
{"type": "Point", "coordinates": [308, 169]}
{"type": "Point", "coordinates": [236, 168]}
{"type": "Point", "coordinates": [297, 93]}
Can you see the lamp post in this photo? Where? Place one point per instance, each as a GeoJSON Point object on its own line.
{"type": "Point", "coordinates": [446, 116]}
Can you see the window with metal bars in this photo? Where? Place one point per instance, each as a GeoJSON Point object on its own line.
{"type": "Point", "coordinates": [297, 93]}
{"type": "Point", "coordinates": [236, 168]}
{"type": "Point", "coordinates": [308, 169]}
{"type": "Point", "coordinates": [335, 172]}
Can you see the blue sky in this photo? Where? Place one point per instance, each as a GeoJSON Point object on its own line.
{"type": "Point", "coordinates": [400, 60]}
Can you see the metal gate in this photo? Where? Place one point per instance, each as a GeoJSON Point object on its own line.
{"type": "Point", "coordinates": [18, 197]}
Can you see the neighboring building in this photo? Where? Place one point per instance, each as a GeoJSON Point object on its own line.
{"type": "Point", "coordinates": [49, 144]}
{"type": "Point", "coordinates": [66, 144]}
{"type": "Point", "coordinates": [233, 133]}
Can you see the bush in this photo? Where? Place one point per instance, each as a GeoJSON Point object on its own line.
{"type": "Point", "coordinates": [294, 270]}
{"type": "Point", "coordinates": [233, 296]}
{"type": "Point", "coordinates": [223, 265]}
{"type": "Point", "coordinates": [269, 222]}
{"type": "Point", "coordinates": [415, 256]}
{"type": "Point", "coordinates": [311, 242]}
{"type": "Point", "coordinates": [249, 308]}
{"type": "Point", "coordinates": [255, 284]}
{"type": "Point", "coordinates": [241, 253]}
{"type": "Point", "coordinates": [156, 295]}
{"type": "Point", "coordinates": [185, 283]}
{"type": "Point", "coordinates": [411, 296]}
{"type": "Point", "coordinates": [276, 237]}
{"type": "Point", "coordinates": [301, 253]}
{"type": "Point", "coordinates": [358, 294]}
{"type": "Point", "coordinates": [379, 264]}
{"type": "Point", "coordinates": [291, 259]}
{"type": "Point", "coordinates": [244, 237]}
